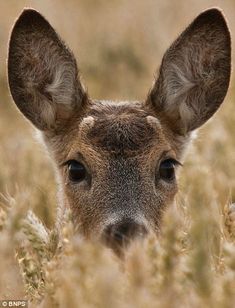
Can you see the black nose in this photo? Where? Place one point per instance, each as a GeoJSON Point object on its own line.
{"type": "Point", "coordinates": [121, 233]}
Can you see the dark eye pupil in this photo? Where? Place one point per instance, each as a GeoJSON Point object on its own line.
{"type": "Point", "coordinates": [167, 170]}
{"type": "Point", "coordinates": [77, 171]}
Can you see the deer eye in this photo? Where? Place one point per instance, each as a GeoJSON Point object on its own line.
{"type": "Point", "coordinates": [167, 169]}
{"type": "Point", "coordinates": [77, 172]}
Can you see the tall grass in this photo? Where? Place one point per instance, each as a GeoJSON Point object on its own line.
{"type": "Point", "coordinates": [192, 262]}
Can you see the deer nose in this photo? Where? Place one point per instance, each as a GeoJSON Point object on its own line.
{"type": "Point", "coordinates": [121, 233]}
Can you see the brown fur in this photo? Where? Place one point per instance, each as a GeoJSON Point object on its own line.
{"type": "Point", "coordinates": [121, 144]}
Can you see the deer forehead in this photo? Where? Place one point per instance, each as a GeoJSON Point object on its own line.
{"type": "Point", "coordinates": [121, 128]}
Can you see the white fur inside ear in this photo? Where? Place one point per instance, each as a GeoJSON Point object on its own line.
{"type": "Point", "coordinates": [62, 87]}
{"type": "Point", "coordinates": [48, 114]}
{"type": "Point", "coordinates": [178, 81]}
{"type": "Point", "coordinates": [186, 113]}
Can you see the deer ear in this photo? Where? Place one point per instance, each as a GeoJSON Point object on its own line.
{"type": "Point", "coordinates": [194, 74]}
{"type": "Point", "coordinates": [42, 72]}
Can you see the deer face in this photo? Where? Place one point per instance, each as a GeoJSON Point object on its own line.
{"type": "Point", "coordinates": [117, 169]}
{"type": "Point", "coordinates": [116, 161]}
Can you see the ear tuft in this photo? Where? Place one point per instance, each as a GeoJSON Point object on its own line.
{"type": "Point", "coordinates": [195, 72]}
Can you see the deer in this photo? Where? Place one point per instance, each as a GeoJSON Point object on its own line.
{"type": "Point", "coordinates": [116, 161]}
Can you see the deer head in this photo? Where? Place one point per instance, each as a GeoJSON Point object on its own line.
{"type": "Point", "coordinates": [116, 161]}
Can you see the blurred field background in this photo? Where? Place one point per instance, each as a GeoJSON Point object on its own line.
{"type": "Point", "coordinates": [119, 46]}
